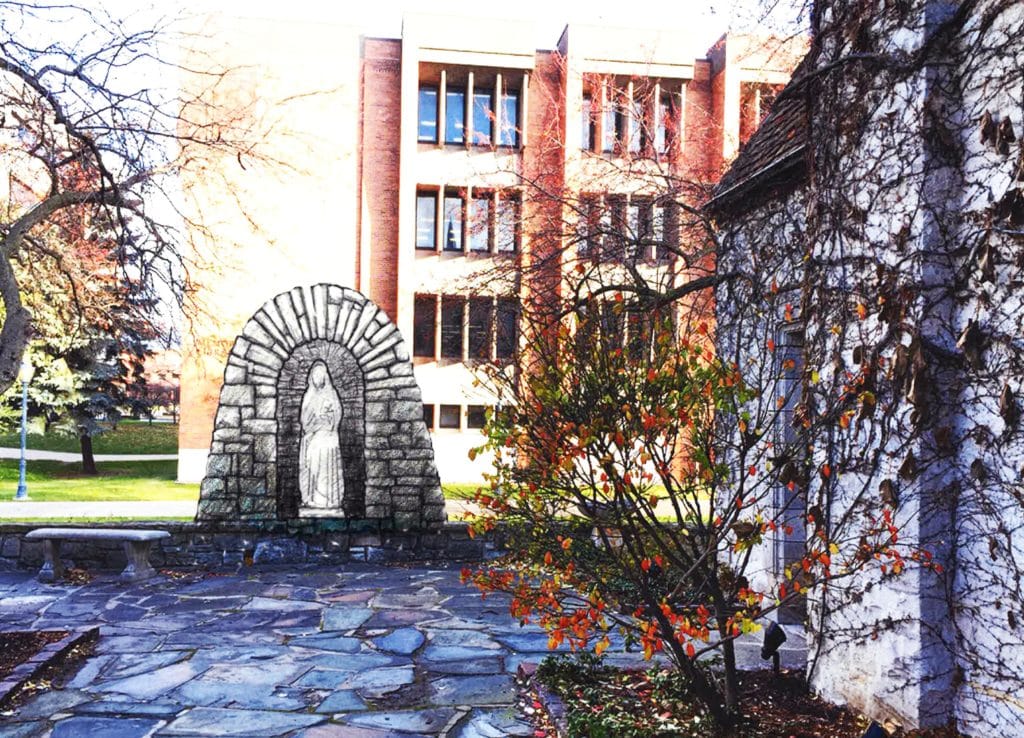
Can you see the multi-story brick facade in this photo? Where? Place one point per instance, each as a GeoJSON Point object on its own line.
{"type": "Point", "coordinates": [400, 170]}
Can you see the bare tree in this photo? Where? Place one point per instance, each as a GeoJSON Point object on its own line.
{"type": "Point", "coordinates": [92, 120]}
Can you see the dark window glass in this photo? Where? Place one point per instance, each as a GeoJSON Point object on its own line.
{"type": "Point", "coordinates": [451, 327]}
{"type": "Point", "coordinates": [635, 127]}
{"type": "Point", "coordinates": [507, 227]}
{"type": "Point", "coordinates": [639, 329]}
{"type": "Point", "coordinates": [634, 236]}
{"type": "Point", "coordinates": [609, 120]}
{"type": "Point", "coordinates": [658, 232]}
{"type": "Point", "coordinates": [479, 222]}
{"type": "Point", "coordinates": [587, 128]}
{"type": "Point", "coordinates": [428, 114]}
{"type": "Point", "coordinates": [666, 122]}
{"type": "Point", "coordinates": [506, 337]}
{"type": "Point", "coordinates": [476, 416]}
{"type": "Point", "coordinates": [424, 328]}
{"type": "Point", "coordinates": [481, 316]}
{"type": "Point", "coordinates": [455, 115]}
{"type": "Point", "coordinates": [426, 220]}
{"type": "Point", "coordinates": [428, 416]}
{"type": "Point", "coordinates": [452, 223]}
{"type": "Point", "coordinates": [483, 118]}
{"type": "Point", "coordinates": [611, 326]}
{"type": "Point", "coordinates": [449, 416]}
{"type": "Point", "coordinates": [509, 135]}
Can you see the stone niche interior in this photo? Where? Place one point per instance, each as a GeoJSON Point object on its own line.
{"type": "Point", "coordinates": [252, 471]}
{"type": "Point", "coordinates": [348, 382]}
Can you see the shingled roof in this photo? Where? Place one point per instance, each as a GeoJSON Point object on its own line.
{"type": "Point", "coordinates": [774, 154]}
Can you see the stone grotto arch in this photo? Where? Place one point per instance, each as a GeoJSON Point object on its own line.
{"type": "Point", "coordinates": [388, 457]}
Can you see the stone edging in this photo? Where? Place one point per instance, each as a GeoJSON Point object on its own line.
{"type": "Point", "coordinates": [46, 656]}
{"type": "Point", "coordinates": [550, 703]}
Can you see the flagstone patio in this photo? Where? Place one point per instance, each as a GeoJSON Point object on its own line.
{"type": "Point", "coordinates": [363, 652]}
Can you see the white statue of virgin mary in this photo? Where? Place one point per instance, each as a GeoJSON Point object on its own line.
{"type": "Point", "coordinates": [320, 473]}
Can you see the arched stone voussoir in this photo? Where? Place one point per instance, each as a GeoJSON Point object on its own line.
{"type": "Point", "coordinates": [267, 366]}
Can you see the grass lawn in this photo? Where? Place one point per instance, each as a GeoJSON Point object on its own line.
{"type": "Point", "coordinates": [55, 481]}
{"type": "Point", "coordinates": [130, 437]}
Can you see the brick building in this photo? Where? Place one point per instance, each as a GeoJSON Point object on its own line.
{"type": "Point", "coordinates": [407, 163]}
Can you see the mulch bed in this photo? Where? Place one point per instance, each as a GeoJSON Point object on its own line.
{"type": "Point", "coordinates": [18, 647]}
{"type": "Point", "coordinates": [31, 661]}
{"type": "Point", "coordinates": [627, 703]}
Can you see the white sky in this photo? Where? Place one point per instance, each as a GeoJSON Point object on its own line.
{"type": "Point", "coordinates": [699, 23]}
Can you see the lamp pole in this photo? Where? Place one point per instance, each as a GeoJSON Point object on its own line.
{"type": "Point", "coordinates": [25, 375]}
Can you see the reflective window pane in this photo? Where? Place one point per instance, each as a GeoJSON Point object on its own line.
{"type": "Point", "coordinates": [476, 416]}
{"type": "Point", "coordinates": [426, 219]}
{"type": "Point", "coordinates": [479, 223]}
{"type": "Point", "coordinates": [506, 232]}
{"type": "Point", "coordinates": [428, 416]}
{"type": "Point", "coordinates": [452, 223]}
{"type": "Point", "coordinates": [455, 115]}
{"type": "Point", "coordinates": [427, 130]}
{"type": "Point", "coordinates": [483, 118]}
{"type": "Point", "coordinates": [509, 119]}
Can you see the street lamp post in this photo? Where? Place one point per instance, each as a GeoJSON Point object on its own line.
{"type": "Point", "coordinates": [25, 375]}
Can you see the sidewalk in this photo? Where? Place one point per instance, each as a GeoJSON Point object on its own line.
{"type": "Point", "coordinates": [36, 455]}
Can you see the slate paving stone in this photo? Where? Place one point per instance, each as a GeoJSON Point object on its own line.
{"type": "Point", "coordinates": [322, 679]}
{"type": "Point", "coordinates": [402, 641]}
{"type": "Point", "coordinates": [492, 723]}
{"type": "Point", "coordinates": [325, 642]}
{"type": "Point", "coordinates": [345, 618]}
{"type": "Point", "coordinates": [213, 721]}
{"type": "Point", "coordinates": [151, 685]}
{"type": "Point", "coordinates": [158, 709]}
{"type": "Point", "coordinates": [48, 703]}
{"type": "Point", "coordinates": [474, 666]}
{"type": "Point", "coordinates": [286, 652]}
{"type": "Point", "coordinates": [473, 690]}
{"type": "Point", "coordinates": [388, 677]}
{"type": "Point", "coordinates": [344, 700]}
{"type": "Point", "coordinates": [107, 727]}
{"type": "Point", "coordinates": [133, 664]}
{"type": "Point", "coordinates": [408, 721]}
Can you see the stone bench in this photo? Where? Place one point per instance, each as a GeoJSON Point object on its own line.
{"type": "Point", "coordinates": [136, 545]}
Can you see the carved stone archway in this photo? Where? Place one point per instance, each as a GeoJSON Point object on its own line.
{"type": "Point", "coordinates": [252, 470]}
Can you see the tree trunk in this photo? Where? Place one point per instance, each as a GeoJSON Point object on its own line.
{"type": "Point", "coordinates": [88, 460]}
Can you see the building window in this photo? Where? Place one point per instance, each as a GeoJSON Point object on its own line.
{"type": "Point", "coordinates": [424, 324]}
{"type": "Point", "coordinates": [506, 337]}
{"type": "Point", "coordinates": [481, 320]}
{"type": "Point", "coordinates": [455, 115]}
{"type": "Point", "coordinates": [616, 227]}
{"type": "Point", "coordinates": [476, 416]}
{"type": "Point", "coordinates": [477, 328]}
{"type": "Point", "coordinates": [483, 118]}
{"type": "Point", "coordinates": [450, 416]}
{"type": "Point", "coordinates": [427, 130]}
{"type": "Point", "coordinates": [428, 416]}
{"type": "Point", "coordinates": [426, 220]}
{"type": "Point", "coordinates": [452, 309]}
{"type": "Point", "coordinates": [588, 126]}
{"type": "Point", "coordinates": [452, 223]}
{"type": "Point", "coordinates": [509, 133]}
{"type": "Point", "coordinates": [506, 234]}
{"type": "Point", "coordinates": [485, 221]}
{"type": "Point", "coordinates": [480, 222]}
{"type": "Point", "coordinates": [635, 116]}
{"type": "Point", "coordinates": [756, 100]}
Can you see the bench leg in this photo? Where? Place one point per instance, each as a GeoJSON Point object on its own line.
{"type": "Point", "coordinates": [52, 568]}
{"type": "Point", "coordinates": [138, 568]}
